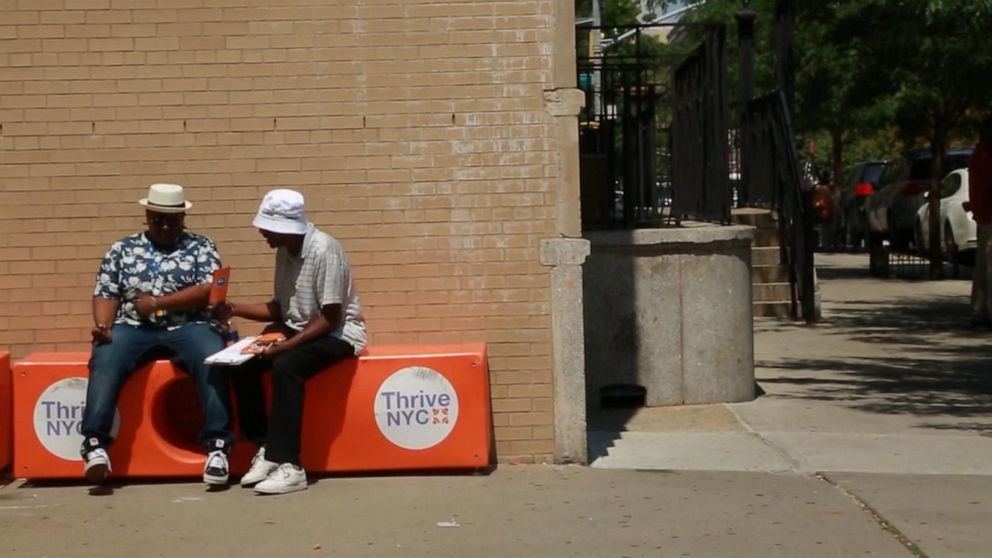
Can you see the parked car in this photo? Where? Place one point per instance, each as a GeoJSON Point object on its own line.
{"type": "Point", "coordinates": [959, 233]}
{"type": "Point", "coordinates": [892, 209]}
{"type": "Point", "coordinates": [859, 184]}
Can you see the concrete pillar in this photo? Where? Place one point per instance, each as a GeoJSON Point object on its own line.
{"type": "Point", "coordinates": [565, 256]}
{"type": "Point", "coordinates": [562, 102]}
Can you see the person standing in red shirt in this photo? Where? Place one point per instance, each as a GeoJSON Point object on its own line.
{"type": "Point", "coordinates": [980, 205]}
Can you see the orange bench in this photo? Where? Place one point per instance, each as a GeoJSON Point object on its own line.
{"type": "Point", "coordinates": [6, 414]}
{"type": "Point", "coordinates": [393, 408]}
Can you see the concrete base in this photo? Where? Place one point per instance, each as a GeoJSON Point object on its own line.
{"type": "Point", "coordinates": [670, 310]}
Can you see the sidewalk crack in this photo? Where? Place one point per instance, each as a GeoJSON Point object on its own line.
{"type": "Point", "coordinates": [885, 524]}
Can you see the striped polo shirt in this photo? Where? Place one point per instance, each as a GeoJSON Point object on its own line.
{"type": "Point", "coordinates": [319, 276]}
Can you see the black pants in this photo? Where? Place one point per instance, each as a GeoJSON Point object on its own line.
{"type": "Point", "coordinates": [281, 432]}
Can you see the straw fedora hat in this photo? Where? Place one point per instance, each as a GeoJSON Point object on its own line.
{"type": "Point", "coordinates": [165, 198]}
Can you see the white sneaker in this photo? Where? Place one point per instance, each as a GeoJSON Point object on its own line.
{"type": "Point", "coordinates": [259, 470]}
{"type": "Point", "coordinates": [287, 478]}
{"type": "Point", "coordinates": [215, 469]}
{"type": "Point", "coordinates": [97, 465]}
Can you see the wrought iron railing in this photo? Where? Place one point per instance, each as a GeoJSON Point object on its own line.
{"type": "Point", "coordinates": [700, 155]}
{"type": "Point", "coordinates": [653, 134]}
{"type": "Point", "coordinates": [625, 128]}
{"type": "Point", "coordinates": [774, 181]}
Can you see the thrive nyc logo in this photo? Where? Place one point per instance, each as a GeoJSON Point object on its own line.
{"type": "Point", "coordinates": [416, 408]}
{"type": "Point", "coordinates": [58, 417]}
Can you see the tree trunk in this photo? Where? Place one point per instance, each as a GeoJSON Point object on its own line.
{"type": "Point", "coordinates": [837, 181]}
{"type": "Point", "coordinates": [937, 144]}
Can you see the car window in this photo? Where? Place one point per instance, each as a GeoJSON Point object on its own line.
{"type": "Point", "coordinates": [950, 185]}
{"type": "Point", "coordinates": [955, 162]}
{"type": "Point", "coordinates": [872, 173]}
{"type": "Point", "coordinates": [920, 169]}
{"type": "Point", "coordinates": [894, 171]}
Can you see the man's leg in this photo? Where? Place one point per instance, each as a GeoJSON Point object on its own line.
{"type": "Point", "coordinates": [980, 277]}
{"type": "Point", "coordinates": [289, 373]}
{"type": "Point", "coordinates": [192, 343]}
{"type": "Point", "coordinates": [247, 382]}
{"type": "Point", "coordinates": [110, 365]}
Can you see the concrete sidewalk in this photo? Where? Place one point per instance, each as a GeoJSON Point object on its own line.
{"type": "Point", "coordinates": [889, 398]}
{"type": "Point", "coordinates": [873, 438]}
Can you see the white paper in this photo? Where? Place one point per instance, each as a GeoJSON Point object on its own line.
{"type": "Point", "coordinates": [232, 355]}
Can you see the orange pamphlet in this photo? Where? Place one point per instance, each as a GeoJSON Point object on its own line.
{"type": "Point", "coordinates": [218, 289]}
{"type": "Point", "coordinates": [263, 342]}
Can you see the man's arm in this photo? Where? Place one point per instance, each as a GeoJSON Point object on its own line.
{"type": "Point", "coordinates": [258, 312]}
{"type": "Point", "coordinates": [188, 298]}
{"type": "Point", "coordinates": [104, 312]}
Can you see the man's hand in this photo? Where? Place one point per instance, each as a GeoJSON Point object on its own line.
{"type": "Point", "coordinates": [222, 311]}
{"type": "Point", "coordinates": [145, 304]}
{"type": "Point", "coordinates": [275, 349]}
{"type": "Point", "coordinates": [102, 334]}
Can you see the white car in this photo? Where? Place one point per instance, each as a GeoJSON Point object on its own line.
{"type": "Point", "coordinates": [958, 231]}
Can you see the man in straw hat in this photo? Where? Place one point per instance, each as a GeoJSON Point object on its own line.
{"type": "Point", "coordinates": [316, 306]}
{"type": "Point", "coordinates": [151, 293]}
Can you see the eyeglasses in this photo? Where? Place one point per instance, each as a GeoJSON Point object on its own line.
{"type": "Point", "coordinates": [171, 222]}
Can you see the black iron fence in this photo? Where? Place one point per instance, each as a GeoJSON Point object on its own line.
{"type": "Point", "coordinates": [625, 128]}
{"type": "Point", "coordinates": [653, 135]}
{"type": "Point", "coordinates": [700, 154]}
{"type": "Point", "coordinates": [774, 181]}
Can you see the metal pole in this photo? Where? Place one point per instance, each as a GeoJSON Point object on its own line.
{"type": "Point", "coordinates": [597, 61]}
{"type": "Point", "coordinates": [784, 64]}
{"type": "Point", "coordinates": [745, 41]}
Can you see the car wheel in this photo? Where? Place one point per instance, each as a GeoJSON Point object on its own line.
{"type": "Point", "coordinates": [951, 250]}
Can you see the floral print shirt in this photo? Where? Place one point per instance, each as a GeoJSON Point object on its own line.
{"type": "Point", "coordinates": [134, 265]}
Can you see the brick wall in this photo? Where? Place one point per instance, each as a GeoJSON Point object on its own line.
{"type": "Point", "coordinates": [415, 129]}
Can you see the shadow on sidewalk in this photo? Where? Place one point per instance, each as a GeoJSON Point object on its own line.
{"type": "Point", "coordinates": [940, 366]}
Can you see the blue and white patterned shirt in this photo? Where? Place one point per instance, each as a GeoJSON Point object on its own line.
{"type": "Point", "coordinates": [134, 265]}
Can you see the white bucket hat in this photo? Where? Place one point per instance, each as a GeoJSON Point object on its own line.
{"type": "Point", "coordinates": [165, 198]}
{"type": "Point", "coordinates": [282, 211]}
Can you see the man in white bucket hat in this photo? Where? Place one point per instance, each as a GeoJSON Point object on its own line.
{"type": "Point", "coordinates": [316, 306]}
{"type": "Point", "coordinates": [151, 295]}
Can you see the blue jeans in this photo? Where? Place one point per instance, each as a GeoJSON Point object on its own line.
{"type": "Point", "coordinates": [112, 363]}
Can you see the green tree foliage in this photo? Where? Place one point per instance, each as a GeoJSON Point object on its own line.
{"type": "Point", "coordinates": [871, 71]}
{"type": "Point", "coordinates": [934, 61]}
{"type": "Point", "coordinates": [871, 68]}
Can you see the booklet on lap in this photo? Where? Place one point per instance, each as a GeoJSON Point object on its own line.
{"type": "Point", "coordinates": [262, 342]}
{"type": "Point", "coordinates": [243, 350]}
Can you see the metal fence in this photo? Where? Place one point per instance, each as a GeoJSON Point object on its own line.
{"type": "Point", "coordinates": [625, 130]}
{"type": "Point", "coordinates": [700, 154]}
{"type": "Point", "coordinates": [653, 135]}
{"type": "Point", "coordinates": [774, 181]}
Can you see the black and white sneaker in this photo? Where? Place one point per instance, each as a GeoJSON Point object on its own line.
{"type": "Point", "coordinates": [215, 470]}
{"type": "Point", "coordinates": [96, 465]}
{"type": "Point", "coordinates": [96, 461]}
